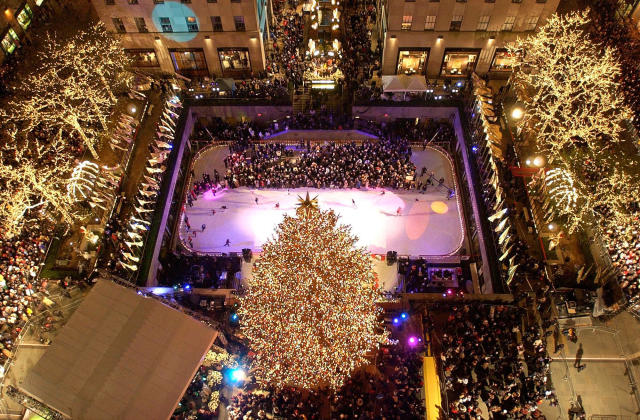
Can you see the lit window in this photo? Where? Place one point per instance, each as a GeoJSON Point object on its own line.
{"type": "Point", "coordinates": [429, 23]}
{"type": "Point", "coordinates": [483, 23]}
{"type": "Point", "coordinates": [406, 22]}
{"type": "Point", "coordinates": [192, 24]}
{"type": "Point", "coordinates": [24, 17]}
{"type": "Point", "coordinates": [532, 22]}
{"type": "Point", "coordinates": [132, 1]}
{"type": "Point", "coordinates": [508, 23]}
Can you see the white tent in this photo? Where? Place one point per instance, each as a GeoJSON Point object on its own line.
{"type": "Point", "coordinates": [416, 83]}
{"type": "Point", "coordinates": [394, 83]}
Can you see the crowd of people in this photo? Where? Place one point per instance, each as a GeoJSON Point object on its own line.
{"type": "Point", "coordinates": [289, 403]}
{"type": "Point", "coordinates": [20, 262]}
{"type": "Point", "coordinates": [287, 56]}
{"type": "Point", "coordinates": [370, 164]}
{"type": "Point", "coordinates": [391, 391]}
{"type": "Point", "coordinates": [623, 243]}
{"type": "Point", "coordinates": [487, 356]}
{"type": "Point", "coordinates": [359, 61]}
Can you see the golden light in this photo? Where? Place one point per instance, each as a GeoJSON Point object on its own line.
{"type": "Point", "coordinates": [517, 113]}
{"type": "Point", "coordinates": [132, 109]}
{"type": "Point", "coordinates": [552, 226]}
{"type": "Point", "coordinates": [538, 161]}
{"type": "Point", "coordinates": [439, 207]}
{"type": "Point", "coordinates": [310, 312]}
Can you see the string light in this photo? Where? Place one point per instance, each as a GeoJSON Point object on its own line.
{"type": "Point", "coordinates": [310, 312]}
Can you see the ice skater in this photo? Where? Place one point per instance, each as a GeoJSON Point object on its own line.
{"type": "Point", "coordinates": [203, 227]}
{"type": "Point", "coordinates": [277, 205]}
{"type": "Point", "coordinates": [256, 201]}
{"type": "Point", "coordinates": [399, 211]}
{"type": "Point", "coordinates": [228, 243]}
{"type": "Point", "coordinates": [354, 202]}
{"type": "Point", "coordinates": [213, 212]}
{"type": "Point", "coordinates": [383, 192]}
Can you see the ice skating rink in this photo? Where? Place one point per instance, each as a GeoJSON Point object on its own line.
{"type": "Point", "coordinates": [430, 226]}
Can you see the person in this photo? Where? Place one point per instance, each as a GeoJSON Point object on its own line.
{"type": "Point", "coordinates": [256, 200]}
{"type": "Point", "coordinates": [353, 201]}
{"type": "Point", "coordinates": [213, 212]}
{"type": "Point", "coordinates": [203, 227]}
{"type": "Point", "coordinates": [227, 243]}
{"type": "Point", "coordinates": [579, 353]}
{"type": "Point", "coordinates": [398, 211]}
{"type": "Point", "coordinates": [277, 205]}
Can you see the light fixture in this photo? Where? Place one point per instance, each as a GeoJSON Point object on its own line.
{"type": "Point", "coordinates": [157, 38]}
{"type": "Point", "coordinates": [393, 37]}
{"type": "Point", "coordinates": [552, 226]}
{"type": "Point", "coordinates": [538, 161]}
{"type": "Point", "coordinates": [207, 37]}
{"type": "Point", "coordinates": [491, 38]}
{"type": "Point", "coordinates": [440, 37]}
{"type": "Point", "coordinates": [253, 38]}
{"type": "Point", "coordinates": [517, 113]}
{"type": "Point", "coordinates": [132, 109]}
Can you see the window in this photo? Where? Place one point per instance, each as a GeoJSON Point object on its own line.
{"type": "Point", "coordinates": [141, 24]}
{"type": "Point", "coordinates": [483, 23]}
{"type": "Point", "coordinates": [235, 1]}
{"type": "Point", "coordinates": [458, 62]}
{"type": "Point", "coordinates": [429, 23]}
{"type": "Point", "coordinates": [516, 1]}
{"type": "Point", "coordinates": [186, 1]}
{"type": "Point", "coordinates": [456, 22]}
{"type": "Point", "coordinates": [24, 17]}
{"type": "Point", "coordinates": [189, 62]}
{"type": "Point", "coordinates": [412, 61]}
{"type": "Point", "coordinates": [410, 0]}
{"type": "Point", "coordinates": [239, 21]}
{"type": "Point", "coordinates": [406, 23]}
{"type": "Point", "coordinates": [8, 44]}
{"type": "Point", "coordinates": [109, 2]}
{"type": "Point", "coordinates": [143, 57]}
{"type": "Point", "coordinates": [434, 1]}
{"type": "Point", "coordinates": [158, 1]}
{"type": "Point", "coordinates": [165, 23]}
{"type": "Point", "coordinates": [119, 25]}
{"type": "Point", "coordinates": [216, 22]}
{"type": "Point", "coordinates": [508, 23]}
{"type": "Point", "coordinates": [532, 22]}
{"type": "Point", "coordinates": [132, 1]}
{"type": "Point", "coordinates": [212, 1]}
{"type": "Point", "coordinates": [541, 1]}
{"type": "Point", "coordinates": [233, 60]}
{"type": "Point", "coordinates": [192, 23]}
{"type": "Point", "coordinates": [461, 1]}
{"type": "Point", "coordinates": [489, 1]}
{"type": "Point", "coordinates": [502, 60]}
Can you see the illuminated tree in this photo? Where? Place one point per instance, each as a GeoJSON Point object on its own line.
{"type": "Point", "coordinates": [310, 313]}
{"type": "Point", "coordinates": [576, 113]}
{"type": "Point", "coordinates": [33, 177]}
{"type": "Point", "coordinates": [569, 87]}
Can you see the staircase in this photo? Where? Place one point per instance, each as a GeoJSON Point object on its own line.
{"type": "Point", "coordinates": [302, 99]}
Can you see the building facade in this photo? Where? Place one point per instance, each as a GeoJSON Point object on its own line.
{"type": "Point", "coordinates": [452, 38]}
{"type": "Point", "coordinates": [194, 38]}
{"type": "Point", "coordinates": [16, 20]}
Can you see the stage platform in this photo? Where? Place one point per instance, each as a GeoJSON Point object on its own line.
{"type": "Point", "coordinates": [429, 224]}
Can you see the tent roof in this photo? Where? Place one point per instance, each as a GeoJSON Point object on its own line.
{"type": "Point", "coordinates": [394, 83]}
{"type": "Point", "coordinates": [403, 83]}
{"type": "Point", "coordinates": [120, 356]}
{"type": "Point", "coordinates": [416, 83]}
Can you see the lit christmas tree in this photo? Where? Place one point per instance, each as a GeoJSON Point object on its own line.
{"type": "Point", "coordinates": [310, 313]}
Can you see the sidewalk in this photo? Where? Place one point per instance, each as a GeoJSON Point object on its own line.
{"type": "Point", "coordinates": [604, 385]}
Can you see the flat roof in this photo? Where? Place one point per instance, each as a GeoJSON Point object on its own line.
{"type": "Point", "coordinates": [120, 356]}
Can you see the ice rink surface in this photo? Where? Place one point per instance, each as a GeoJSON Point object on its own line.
{"type": "Point", "coordinates": [428, 224]}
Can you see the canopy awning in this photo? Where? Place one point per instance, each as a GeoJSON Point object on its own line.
{"type": "Point", "coordinates": [402, 83]}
